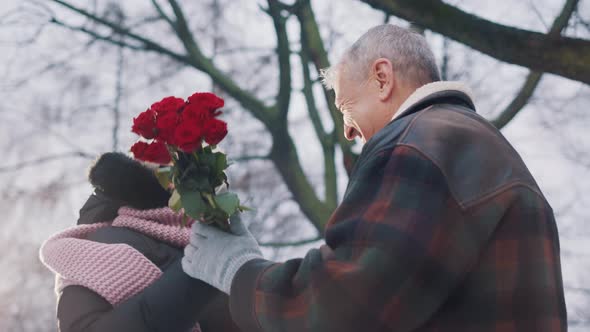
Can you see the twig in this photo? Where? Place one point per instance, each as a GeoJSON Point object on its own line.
{"type": "Point", "coordinates": [53, 65]}
{"type": "Point", "coordinates": [163, 14]}
{"type": "Point", "coordinates": [96, 36]}
{"type": "Point", "coordinates": [290, 244]}
{"type": "Point", "coordinates": [533, 78]}
{"type": "Point", "coordinates": [148, 44]}
{"type": "Point", "coordinates": [35, 162]}
{"type": "Point", "coordinates": [250, 158]}
{"type": "Point", "coordinates": [539, 16]}
{"type": "Point", "coordinates": [118, 94]}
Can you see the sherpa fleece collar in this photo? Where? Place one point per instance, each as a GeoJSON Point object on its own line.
{"type": "Point", "coordinates": [429, 89]}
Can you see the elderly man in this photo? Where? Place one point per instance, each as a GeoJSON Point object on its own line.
{"type": "Point", "coordinates": [441, 228]}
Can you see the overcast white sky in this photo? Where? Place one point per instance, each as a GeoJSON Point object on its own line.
{"type": "Point", "coordinates": [549, 133]}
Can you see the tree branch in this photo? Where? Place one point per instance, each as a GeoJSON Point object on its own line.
{"type": "Point", "coordinates": [239, 49]}
{"type": "Point", "coordinates": [118, 96]}
{"type": "Point", "coordinates": [284, 55]}
{"type": "Point", "coordinates": [53, 65]}
{"type": "Point", "coordinates": [163, 14]}
{"type": "Point", "coordinates": [564, 56]}
{"type": "Point", "coordinates": [312, 108]}
{"type": "Point", "coordinates": [148, 45]}
{"type": "Point", "coordinates": [582, 21]}
{"type": "Point", "coordinates": [283, 153]}
{"type": "Point", "coordinates": [249, 158]}
{"type": "Point", "coordinates": [519, 102]}
{"type": "Point", "coordinates": [35, 162]}
{"type": "Point", "coordinates": [585, 291]}
{"type": "Point", "coordinates": [195, 58]}
{"type": "Point", "coordinates": [312, 43]}
{"type": "Point", "coordinates": [199, 61]}
{"type": "Point", "coordinates": [326, 141]}
{"type": "Point", "coordinates": [444, 66]}
{"type": "Point", "coordinates": [533, 78]}
{"type": "Point", "coordinates": [289, 244]}
{"type": "Point", "coordinates": [143, 21]}
{"type": "Point", "coordinates": [96, 36]}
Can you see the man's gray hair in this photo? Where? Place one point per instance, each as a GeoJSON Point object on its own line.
{"type": "Point", "coordinates": [407, 50]}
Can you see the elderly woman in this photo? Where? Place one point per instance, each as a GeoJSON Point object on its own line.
{"type": "Point", "coordinates": [441, 228]}
{"type": "Point", "coordinates": [119, 268]}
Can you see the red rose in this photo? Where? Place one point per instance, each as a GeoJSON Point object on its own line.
{"type": "Point", "coordinates": [188, 137]}
{"type": "Point", "coordinates": [208, 100]}
{"type": "Point", "coordinates": [196, 114]}
{"type": "Point", "coordinates": [138, 149]}
{"type": "Point", "coordinates": [166, 124]}
{"type": "Point", "coordinates": [145, 124]}
{"type": "Point", "coordinates": [215, 131]}
{"type": "Point", "coordinates": [155, 152]}
{"type": "Point", "coordinates": [168, 104]}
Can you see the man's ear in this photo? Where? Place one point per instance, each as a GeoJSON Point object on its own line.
{"type": "Point", "coordinates": [382, 70]}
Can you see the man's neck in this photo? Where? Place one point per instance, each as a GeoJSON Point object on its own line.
{"type": "Point", "coordinates": [402, 95]}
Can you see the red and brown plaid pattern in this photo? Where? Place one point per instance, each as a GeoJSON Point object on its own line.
{"type": "Point", "coordinates": [407, 250]}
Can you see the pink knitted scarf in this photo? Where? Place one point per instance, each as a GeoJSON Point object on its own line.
{"type": "Point", "coordinates": [114, 271]}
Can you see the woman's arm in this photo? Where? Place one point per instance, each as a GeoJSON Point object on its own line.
{"type": "Point", "coordinates": [175, 302]}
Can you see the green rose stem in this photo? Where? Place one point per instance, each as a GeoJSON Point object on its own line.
{"type": "Point", "coordinates": [209, 198]}
{"type": "Point", "coordinates": [217, 212]}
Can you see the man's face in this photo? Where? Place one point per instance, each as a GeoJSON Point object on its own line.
{"type": "Point", "coordinates": [360, 106]}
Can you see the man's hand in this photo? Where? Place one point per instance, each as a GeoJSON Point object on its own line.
{"type": "Point", "coordinates": [215, 256]}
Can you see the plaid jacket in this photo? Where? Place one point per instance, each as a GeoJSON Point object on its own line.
{"type": "Point", "coordinates": [442, 228]}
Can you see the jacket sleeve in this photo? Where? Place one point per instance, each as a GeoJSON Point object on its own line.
{"type": "Point", "coordinates": [395, 249]}
{"type": "Point", "coordinates": [175, 302]}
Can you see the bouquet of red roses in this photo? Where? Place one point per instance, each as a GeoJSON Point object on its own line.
{"type": "Point", "coordinates": [182, 136]}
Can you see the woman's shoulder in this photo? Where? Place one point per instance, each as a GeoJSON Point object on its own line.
{"type": "Point", "coordinates": [158, 252]}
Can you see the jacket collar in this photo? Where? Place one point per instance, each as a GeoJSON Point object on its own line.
{"type": "Point", "coordinates": [435, 90]}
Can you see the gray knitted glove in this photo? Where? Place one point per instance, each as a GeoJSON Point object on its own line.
{"type": "Point", "coordinates": [214, 256]}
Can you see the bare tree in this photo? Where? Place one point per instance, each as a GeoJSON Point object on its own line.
{"type": "Point", "coordinates": [283, 152]}
{"type": "Point", "coordinates": [151, 45]}
{"type": "Point", "coordinates": [564, 56]}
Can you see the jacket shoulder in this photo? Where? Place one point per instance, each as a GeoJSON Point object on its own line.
{"type": "Point", "coordinates": [475, 158]}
